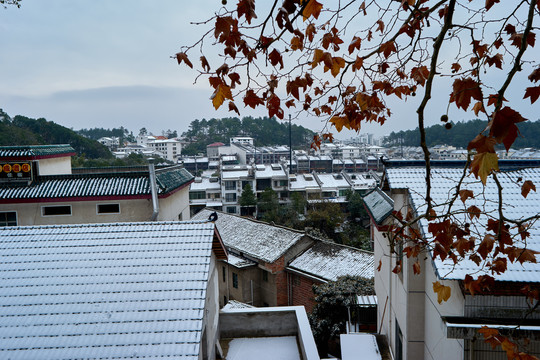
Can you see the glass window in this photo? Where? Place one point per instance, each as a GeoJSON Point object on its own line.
{"type": "Point", "coordinates": [230, 185]}
{"type": "Point", "coordinates": [8, 218]}
{"type": "Point", "coordinates": [108, 208]}
{"type": "Point", "coordinates": [56, 210]}
{"type": "Point", "coordinates": [195, 195]}
{"type": "Point", "coordinates": [224, 274]}
{"type": "Point", "coordinates": [231, 209]}
{"type": "Point", "coordinates": [235, 280]}
{"type": "Point", "coordinates": [231, 197]}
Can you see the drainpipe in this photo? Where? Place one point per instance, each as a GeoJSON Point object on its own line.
{"type": "Point", "coordinates": [153, 188]}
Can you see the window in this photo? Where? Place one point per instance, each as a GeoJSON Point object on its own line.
{"type": "Point", "coordinates": [342, 192]}
{"type": "Point", "coordinates": [108, 208]}
{"type": "Point", "coordinates": [235, 280]}
{"type": "Point", "coordinates": [230, 185]}
{"type": "Point", "coordinates": [57, 210]}
{"type": "Point", "coordinates": [231, 197]}
{"type": "Point", "coordinates": [224, 274]}
{"type": "Point", "coordinates": [8, 218]}
{"type": "Point", "coordinates": [197, 195]}
{"type": "Point", "coordinates": [231, 209]}
{"type": "Point", "coordinates": [265, 276]}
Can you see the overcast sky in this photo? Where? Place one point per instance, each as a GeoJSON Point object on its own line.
{"type": "Point", "coordinates": [106, 63]}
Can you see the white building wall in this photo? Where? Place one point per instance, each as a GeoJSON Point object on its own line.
{"type": "Point", "coordinates": [55, 166]}
{"type": "Point", "coordinates": [413, 304]}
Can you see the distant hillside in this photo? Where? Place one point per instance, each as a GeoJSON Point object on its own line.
{"type": "Point", "coordinates": [22, 130]}
{"type": "Point", "coordinates": [462, 133]}
{"type": "Point", "coordinates": [265, 131]}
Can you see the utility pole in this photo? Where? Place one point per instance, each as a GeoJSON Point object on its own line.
{"type": "Point", "coordinates": [290, 146]}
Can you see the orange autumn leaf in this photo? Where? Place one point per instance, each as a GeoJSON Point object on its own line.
{"type": "Point", "coordinates": [313, 8]}
{"type": "Point", "coordinates": [355, 44]}
{"type": "Point", "coordinates": [387, 48]}
{"type": "Point", "coordinates": [222, 92]}
{"type": "Point", "coordinates": [443, 292]}
{"type": "Point", "coordinates": [464, 194]}
{"type": "Point", "coordinates": [486, 246]}
{"type": "Point", "coordinates": [474, 212]}
{"type": "Point", "coordinates": [479, 106]}
{"type": "Point", "coordinates": [339, 122]}
{"type": "Point", "coordinates": [338, 63]}
{"type": "Point", "coordinates": [527, 187]}
{"type": "Point", "coordinates": [416, 268]}
{"type": "Point", "coordinates": [318, 56]}
{"type": "Point", "coordinates": [463, 91]}
{"type": "Point", "coordinates": [483, 164]}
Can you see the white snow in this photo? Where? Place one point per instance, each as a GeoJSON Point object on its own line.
{"type": "Point", "coordinates": [264, 348]}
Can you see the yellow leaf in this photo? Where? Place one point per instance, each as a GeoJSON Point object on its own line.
{"type": "Point", "coordinates": [222, 92]}
{"type": "Point", "coordinates": [318, 55]}
{"type": "Point", "coordinates": [337, 64]}
{"type": "Point", "coordinates": [479, 106]}
{"type": "Point", "coordinates": [483, 164]}
{"type": "Point", "coordinates": [339, 122]}
{"type": "Point", "coordinates": [362, 101]}
{"type": "Point", "coordinates": [443, 292]}
{"type": "Point", "coordinates": [312, 8]}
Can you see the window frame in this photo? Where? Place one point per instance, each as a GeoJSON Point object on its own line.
{"type": "Point", "coordinates": [7, 221]}
{"type": "Point", "coordinates": [98, 212]}
{"type": "Point", "coordinates": [44, 207]}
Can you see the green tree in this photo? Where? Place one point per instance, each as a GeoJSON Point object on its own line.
{"type": "Point", "coordinates": [247, 200]}
{"type": "Point", "coordinates": [268, 206]}
{"type": "Point", "coordinates": [330, 314]}
{"type": "Point", "coordinates": [326, 217]}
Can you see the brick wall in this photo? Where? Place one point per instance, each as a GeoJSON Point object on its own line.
{"type": "Point", "coordinates": [301, 291]}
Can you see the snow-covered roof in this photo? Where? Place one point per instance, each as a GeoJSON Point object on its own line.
{"type": "Point", "coordinates": [515, 206]}
{"type": "Point", "coordinates": [333, 181]}
{"type": "Point", "coordinates": [91, 186]}
{"type": "Point", "coordinates": [253, 238]}
{"type": "Point", "coordinates": [328, 261]}
{"type": "Point", "coordinates": [104, 291]}
{"type": "Point", "coordinates": [303, 182]}
{"type": "Point", "coordinates": [233, 304]}
{"type": "Point", "coordinates": [360, 181]}
{"type": "Point", "coordinates": [269, 171]}
{"type": "Point", "coordinates": [379, 205]}
{"type": "Point", "coordinates": [204, 184]}
{"type": "Point", "coordinates": [234, 174]}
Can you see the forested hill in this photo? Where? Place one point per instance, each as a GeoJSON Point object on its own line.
{"type": "Point", "coordinates": [461, 133]}
{"type": "Point", "coordinates": [265, 131]}
{"type": "Point", "coordinates": [22, 130]}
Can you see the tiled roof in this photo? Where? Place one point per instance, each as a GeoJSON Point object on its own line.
{"type": "Point", "coordinates": [379, 205]}
{"type": "Point", "coordinates": [515, 206]}
{"type": "Point", "coordinates": [34, 151]}
{"type": "Point", "coordinates": [97, 185]}
{"type": "Point", "coordinates": [329, 261]}
{"type": "Point", "coordinates": [253, 238]}
{"type": "Point", "coordinates": [114, 291]}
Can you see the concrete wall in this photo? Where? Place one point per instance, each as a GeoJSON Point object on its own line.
{"type": "Point", "coordinates": [264, 291]}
